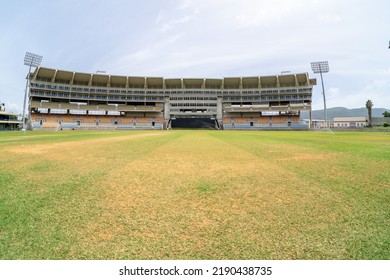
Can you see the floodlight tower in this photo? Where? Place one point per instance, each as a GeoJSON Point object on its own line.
{"type": "Point", "coordinates": [321, 67]}
{"type": "Point", "coordinates": [30, 60]}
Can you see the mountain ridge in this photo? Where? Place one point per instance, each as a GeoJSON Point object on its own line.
{"type": "Point", "coordinates": [343, 112]}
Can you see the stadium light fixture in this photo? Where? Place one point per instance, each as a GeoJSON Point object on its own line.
{"type": "Point", "coordinates": [321, 67]}
{"type": "Point", "coordinates": [30, 60]}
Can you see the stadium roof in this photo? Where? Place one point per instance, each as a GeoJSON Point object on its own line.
{"type": "Point", "coordinates": [105, 80]}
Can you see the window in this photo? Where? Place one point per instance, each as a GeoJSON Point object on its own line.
{"type": "Point", "coordinates": [93, 112]}
{"type": "Point", "coordinates": [78, 112]}
{"type": "Point", "coordinates": [58, 111]}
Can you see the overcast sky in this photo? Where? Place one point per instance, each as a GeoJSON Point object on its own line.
{"type": "Point", "coordinates": [203, 39]}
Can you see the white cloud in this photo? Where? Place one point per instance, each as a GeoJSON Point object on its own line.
{"type": "Point", "coordinates": [333, 93]}
{"type": "Point", "coordinates": [375, 91]}
{"type": "Point", "coordinates": [386, 71]}
{"type": "Point", "coordinates": [245, 13]}
{"type": "Point", "coordinates": [169, 25]}
{"type": "Point", "coordinates": [167, 21]}
{"type": "Point", "coordinates": [13, 107]}
{"type": "Point", "coordinates": [330, 18]}
{"type": "Point", "coordinates": [256, 13]}
{"type": "Point", "coordinates": [202, 38]}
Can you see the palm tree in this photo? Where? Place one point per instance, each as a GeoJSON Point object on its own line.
{"type": "Point", "coordinates": [369, 105]}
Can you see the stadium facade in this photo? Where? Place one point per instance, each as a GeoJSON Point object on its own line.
{"type": "Point", "coordinates": [9, 121]}
{"type": "Point", "coordinates": [61, 99]}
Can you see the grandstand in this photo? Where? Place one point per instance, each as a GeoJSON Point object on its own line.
{"type": "Point", "coordinates": [61, 99]}
{"type": "Point", "coordinates": [9, 121]}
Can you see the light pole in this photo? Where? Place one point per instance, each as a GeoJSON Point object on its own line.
{"type": "Point", "coordinates": [30, 60]}
{"type": "Point", "coordinates": [321, 67]}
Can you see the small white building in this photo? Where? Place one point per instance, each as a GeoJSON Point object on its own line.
{"type": "Point", "coordinates": [316, 123]}
{"type": "Point", "coordinates": [350, 122]}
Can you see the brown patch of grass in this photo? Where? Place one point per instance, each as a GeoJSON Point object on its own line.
{"type": "Point", "coordinates": [193, 195]}
{"type": "Point", "coordinates": [206, 196]}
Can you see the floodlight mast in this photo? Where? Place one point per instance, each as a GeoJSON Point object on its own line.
{"type": "Point", "coordinates": [30, 60]}
{"type": "Point", "coordinates": [321, 67]}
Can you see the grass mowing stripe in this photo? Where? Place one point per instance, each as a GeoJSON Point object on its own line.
{"type": "Point", "coordinates": [350, 172]}
{"type": "Point", "coordinates": [54, 195]}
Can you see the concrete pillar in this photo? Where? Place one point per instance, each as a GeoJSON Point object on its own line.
{"type": "Point", "coordinates": [219, 110]}
{"type": "Point", "coordinates": [167, 111]}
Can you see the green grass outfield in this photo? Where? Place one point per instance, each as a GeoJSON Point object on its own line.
{"type": "Point", "coordinates": [194, 194]}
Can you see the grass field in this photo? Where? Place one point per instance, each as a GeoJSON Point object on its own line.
{"type": "Point", "coordinates": [193, 194]}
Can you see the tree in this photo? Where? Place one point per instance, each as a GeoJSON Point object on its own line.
{"type": "Point", "coordinates": [369, 105]}
{"type": "Point", "coordinates": [386, 114]}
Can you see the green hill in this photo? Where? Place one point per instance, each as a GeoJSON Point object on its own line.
{"type": "Point", "coordinates": [344, 112]}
